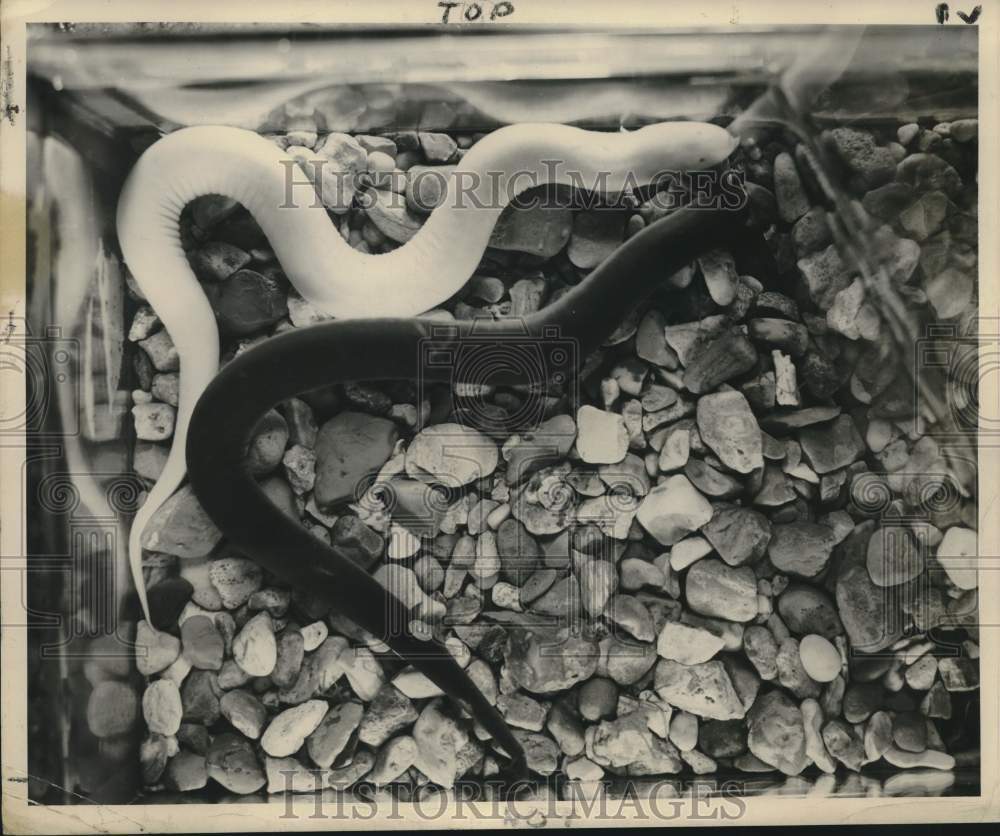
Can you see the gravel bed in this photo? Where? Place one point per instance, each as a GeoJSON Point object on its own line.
{"type": "Point", "coordinates": [737, 518]}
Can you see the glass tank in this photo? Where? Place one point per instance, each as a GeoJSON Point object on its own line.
{"type": "Point", "coordinates": [851, 346]}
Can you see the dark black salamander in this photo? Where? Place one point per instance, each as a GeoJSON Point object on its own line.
{"type": "Point", "coordinates": [373, 349]}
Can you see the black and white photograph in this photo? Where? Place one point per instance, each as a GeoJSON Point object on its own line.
{"type": "Point", "coordinates": [498, 414]}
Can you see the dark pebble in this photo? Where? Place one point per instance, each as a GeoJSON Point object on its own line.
{"type": "Point", "coordinates": [195, 737]}
{"type": "Point", "coordinates": [367, 398]}
{"type": "Point", "coordinates": [357, 541]}
{"type": "Point", "coordinates": [819, 375]}
{"type": "Point", "coordinates": [763, 206]}
{"type": "Point", "coordinates": [832, 446]}
{"type": "Point", "coordinates": [862, 699]}
{"type": "Point", "coordinates": [267, 444]}
{"type": "Point", "coordinates": [780, 423]}
{"type": "Point", "coordinates": [928, 172]}
{"type": "Point", "coordinates": [789, 336]}
{"type": "Point", "coordinates": [738, 535]}
{"type": "Point", "coordinates": [200, 696]}
{"type": "Point", "coordinates": [770, 303]}
{"type": "Point", "coordinates": [909, 732]}
{"type": "Point", "coordinates": [143, 370]}
{"type": "Point", "coordinates": [518, 551]}
{"type": "Point", "coordinates": [247, 303]}
{"type": "Point", "coordinates": [216, 261]}
{"type": "Point", "coordinates": [712, 482]}
{"type": "Point", "coordinates": [209, 209]}
{"type": "Point", "coordinates": [722, 359]}
{"type": "Point", "coordinates": [491, 646]}
{"type": "Point", "coordinates": [233, 764]}
{"type": "Point", "coordinates": [722, 738]}
{"type": "Point", "coordinates": [872, 164]}
{"type": "Point", "coordinates": [808, 609]}
{"type": "Point", "coordinates": [811, 232]}
{"type": "Point", "coordinates": [202, 643]}
{"type": "Point", "coordinates": [886, 202]}
{"type": "Point", "coordinates": [186, 772]}
{"type": "Point", "coordinates": [868, 668]}
{"type": "Point", "coordinates": [350, 448]}
{"type": "Point", "coordinates": [324, 401]}
{"type": "Point", "coordinates": [243, 231]}
{"type": "Point", "coordinates": [112, 709]}
{"type": "Point", "coordinates": [166, 601]}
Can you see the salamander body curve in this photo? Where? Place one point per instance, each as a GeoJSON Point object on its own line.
{"type": "Point", "coordinates": [320, 264]}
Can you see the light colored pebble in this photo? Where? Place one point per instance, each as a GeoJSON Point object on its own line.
{"type": "Point", "coordinates": [820, 658]}
{"type": "Point", "coordinates": [289, 730]}
{"type": "Point", "coordinates": [684, 730]}
{"type": "Point", "coordinates": [880, 432]}
{"type": "Point", "coordinates": [364, 672]}
{"type": "Point", "coordinates": [415, 685]}
{"type": "Point", "coordinates": [394, 758]}
{"type": "Point", "coordinates": [300, 468]}
{"type": "Point", "coordinates": [673, 509]}
{"type": "Point", "coordinates": [144, 323]}
{"type": "Point", "coordinates": [635, 573]}
{"type": "Point", "coordinates": [583, 769]}
{"type": "Point", "coordinates": [688, 645]}
{"type": "Point", "coordinates": [700, 763]}
{"type": "Point", "coordinates": [601, 436]}
{"type": "Point", "coordinates": [255, 648]}
{"type": "Point", "coordinates": [785, 380]}
{"type": "Point", "coordinates": [964, 130]}
{"type": "Point", "coordinates": [506, 596]}
{"type": "Point", "coordinates": [313, 635]}
{"type": "Point", "coordinates": [161, 351]}
{"type": "Point", "coordinates": [166, 388]}
{"type": "Point", "coordinates": [958, 553]}
{"type": "Point", "coordinates": [244, 712]}
{"type": "Point", "coordinates": [812, 721]}
{"type": "Point", "coordinates": [687, 551]}
{"type": "Point", "coordinates": [431, 454]}
{"type": "Point", "coordinates": [928, 759]}
{"type": "Point", "coordinates": [161, 707]}
{"type": "Point", "coordinates": [177, 671]}
{"type": "Point", "coordinates": [402, 543]}
{"type": "Point", "coordinates": [155, 650]}
{"type": "Point", "coordinates": [235, 579]}
{"type": "Point", "coordinates": [154, 421]}
{"type": "Point", "coordinates": [675, 451]}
